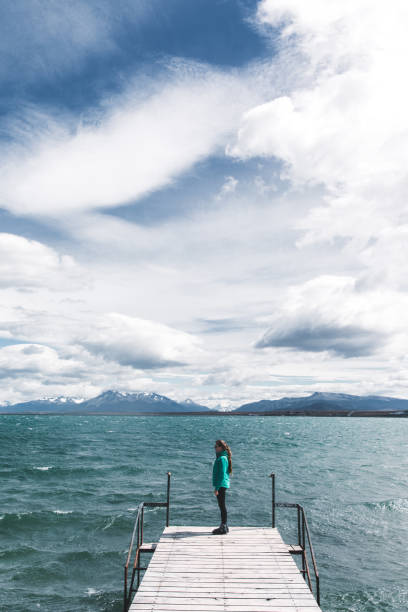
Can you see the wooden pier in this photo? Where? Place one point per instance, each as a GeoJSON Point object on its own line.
{"type": "Point", "coordinates": [250, 569]}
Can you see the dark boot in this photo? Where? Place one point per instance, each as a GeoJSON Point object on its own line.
{"type": "Point", "coordinates": [221, 530]}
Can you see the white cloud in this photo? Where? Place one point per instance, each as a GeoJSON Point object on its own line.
{"type": "Point", "coordinates": [27, 264]}
{"type": "Point", "coordinates": [35, 360]}
{"type": "Point", "coordinates": [41, 40]}
{"type": "Point", "coordinates": [335, 119]}
{"type": "Point", "coordinates": [347, 127]}
{"type": "Point", "coordinates": [138, 343]}
{"type": "Point", "coordinates": [330, 314]}
{"type": "Point", "coordinates": [82, 354]}
{"type": "Point", "coordinates": [229, 186]}
{"type": "Point", "coordinates": [342, 137]}
{"type": "Point", "coordinates": [114, 337]}
{"type": "Point", "coordinates": [138, 146]}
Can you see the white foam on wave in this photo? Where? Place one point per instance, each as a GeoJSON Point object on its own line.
{"type": "Point", "coordinates": [43, 468]}
{"type": "Point", "coordinates": [109, 524]}
{"type": "Point", "coordinates": [62, 511]}
{"type": "Point", "coordinates": [92, 591]}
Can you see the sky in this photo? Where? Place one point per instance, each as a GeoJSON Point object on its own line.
{"type": "Point", "coordinates": [204, 199]}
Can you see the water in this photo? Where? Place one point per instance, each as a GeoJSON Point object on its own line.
{"type": "Point", "coordinates": [70, 486]}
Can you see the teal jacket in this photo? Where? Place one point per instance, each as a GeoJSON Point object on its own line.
{"type": "Point", "coordinates": [220, 476]}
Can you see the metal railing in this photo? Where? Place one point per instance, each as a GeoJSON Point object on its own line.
{"type": "Point", "coordinates": [136, 545]}
{"type": "Point", "coordinates": [305, 546]}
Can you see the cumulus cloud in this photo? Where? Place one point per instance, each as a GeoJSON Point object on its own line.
{"type": "Point", "coordinates": [138, 343]}
{"type": "Point", "coordinates": [341, 135]}
{"type": "Point", "coordinates": [135, 147]}
{"type": "Point", "coordinates": [330, 314]}
{"type": "Point", "coordinates": [32, 360]}
{"type": "Point", "coordinates": [346, 341]}
{"type": "Point", "coordinates": [28, 263]}
{"type": "Point", "coordinates": [346, 127]}
{"type": "Point", "coordinates": [81, 354]}
{"type": "Point", "coordinates": [113, 337]}
{"type": "Point", "coordinates": [334, 128]}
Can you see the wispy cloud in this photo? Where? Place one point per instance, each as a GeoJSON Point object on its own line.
{"type": "Point", "coordinates": [282, 265]}
{"type": "Point", "coordinates": [229, 186]}
{"type": "Point", "coordinates": [136, 146]}
{"type": "Point", "coordinates": [47, 39]}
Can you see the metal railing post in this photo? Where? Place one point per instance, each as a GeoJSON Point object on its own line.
{"type": "Point", "coordinates": [299, 529]}
{"type": "Point", "coordinates": [141, 527]}
{"type": "Point", "coordinates": [303, 542]}
{"type": "Point", "coordinates": [273, 500]}
{"type": "Point", "coordinates": [125, 591]}
{"type": "Point", "coordinates": [303, 539]}
{"type": "Point", "coordinates": [139, 543]}
{"type": "Point", "coordinates": [137, 540]}
{"type": "Point", "coordinates": [168, 499]}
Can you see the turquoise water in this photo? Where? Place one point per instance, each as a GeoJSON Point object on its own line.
{"type": "Point", "coordinates": [70, 486]}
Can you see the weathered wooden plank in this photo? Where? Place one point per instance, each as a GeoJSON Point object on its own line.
{"type": "Point", "coordinates": [247, 592]}
{"type": "Point", "coordinates": [219, 564]}
{"type": "Point", "coordinates": [248, 570]}
{"type": "Point", "coordinates": [223, 605]}
{"type": "Point", "coordinates": [259, 601]}
{"type": "Point", "coordinates": [214, 583]}
{"type": "Point", "coordinates": [193, 607]}
{"type": "Point", "coordinates": [208, 574]}
{"type": "Point", "coordinates": [292, 578]}
{"type": "Point", "coordinates": [206, 595]}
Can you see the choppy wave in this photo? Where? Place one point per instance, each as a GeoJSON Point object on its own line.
{"type": "Point", "coordinates": [31, 521]}
{"type": "Point", "coordinates": [370, 600]}
{"type": "Point", "coordinates": [71, 487]}
{"type": "Point", "coordinates": [388, 505]}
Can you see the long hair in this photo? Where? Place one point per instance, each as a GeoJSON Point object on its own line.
{"type": "Point", "coordinates": [225, 447]}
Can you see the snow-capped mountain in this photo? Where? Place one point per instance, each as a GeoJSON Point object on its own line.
{"type": "Point", "coordinates": [62, 400]}
{"type": "Point", "coordinates": [328, 403]}
{"type": "Point", "coordinates": [108, 402]}
{"type": "Point", "coordinates": [191, 405]}
{"type": "Point", "coordinates": [120, 402]}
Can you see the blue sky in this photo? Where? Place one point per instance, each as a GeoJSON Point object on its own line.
{"type": "Point", "coordinates": [204, 199]}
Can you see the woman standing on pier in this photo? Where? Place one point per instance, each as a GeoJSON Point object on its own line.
{"type": "Point", "coordinates": [221, 470]}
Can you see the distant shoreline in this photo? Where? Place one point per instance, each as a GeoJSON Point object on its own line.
{"type": "Point", "coordinates": [110, 403]}
{"type": "Point", "coordinates": [305, 413]}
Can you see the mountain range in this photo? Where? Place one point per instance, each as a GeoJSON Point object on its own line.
{"type": "Point", "coordinates": [109, 402]}
{"type": "Point", "coordinates": [117, 402]}
{"type": "Point", "coordinates": [328, 404]}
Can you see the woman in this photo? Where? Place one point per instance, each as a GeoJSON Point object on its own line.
{"type": "Point", "coordinates": [221, 470]}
